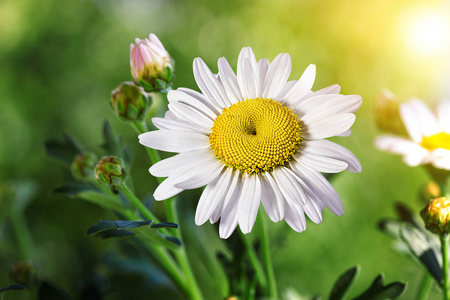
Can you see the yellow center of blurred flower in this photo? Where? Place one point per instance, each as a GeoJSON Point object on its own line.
{"type": "Point", "coordinates": [255, 135]}
{"type": "Point", "coordinates": [436, 141]}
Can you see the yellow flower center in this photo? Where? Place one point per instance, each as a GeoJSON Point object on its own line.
{"type": "Point", "coordinates": [255, 135]}
{"type": "Point", "coordinates": [439, 140]}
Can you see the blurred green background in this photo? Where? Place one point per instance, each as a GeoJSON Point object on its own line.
{"type": "Point", "coordinates": [59, 61]}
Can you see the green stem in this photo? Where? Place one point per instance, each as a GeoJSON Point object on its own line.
{"type": "Point", "coordinates": [254, 261]}
{"type": "Point", "coordinates": [172, 215]}
{"type": "Point", "coordinates": [23, 235]}
{"type": "Point", "coordinates": [425, 287]}
{"type": "Point", "coordinates": [444, 251]}
{"type": "Point", "coordinates": [266, 256]}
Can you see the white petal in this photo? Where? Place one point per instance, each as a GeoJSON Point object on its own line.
{"type": "Point", "coordinates": [174, 141]}
{"type": "Point", "coordinates": [209, 85]}
{"type": "Point", "coordinates": [229, 81]}
{"type": "Point", "coordinates": [295, 217]}
{"type": "Point", "coordinates": [191, 115]}
{"type": "Point", "coordinates": [332, 89]}
{"type": "Point", "coordinates": [247, 73]}
{"type": "Point", "coordinates": [179, 125]}
{"type": "Point", "coordinates": [346, 133]}
{"type": "Point", "coordinates": [277, 75]}
{"type": "Point", "coordinates": [271, 198]}
{"type": "Point", "coordinates": [165, 190]}
{"type": "Point", "coordinates": [442, 163]}
{"type": "Point", "coordinates": [335, 151]}
{"type": "Point", "coordinates": [263, 66]}
{"type": "Point", "coordinates": [249, 202]}
{"type": "Point", "coordinates": [212, 196]}
{"type": "Point", "coordinates": [314, 211]}
{"type": "Point", "coordinates": [322, 189]}
{"type": "Point", "coordinates": [179, 162]}
{"type": "Point", "coordinates": [443, 115]}
{"type": "Point", "coordinates": [418, 120]}
{"type": "Point", "coordinates": [329, 127]}
{"type": "Point", "coordinates": [200, 97]}
{"type": "Point", "coordinates": [229, 216]}
{"type": "Point", "coordinates": [287, 87]}
{"type": "Point", "coordinates": [288, 184]}
{"type": "Point", "coordinates": [335, 105]}
{"type": "Point", "coordinates": [319, 163]}
{"type": "Point", "coordinates": [199, 175]}
{"type": "Point", "coordinates": [413, 154]}
{"type": "Point", "coordinates": [192, 101]}
{"type": "Point", "coordinates": [302, 87]}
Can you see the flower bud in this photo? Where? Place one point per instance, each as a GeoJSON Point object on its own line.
{"type": "Point", "coordinates": [130, 102]}
{"type": "Point", "coordinates": [24, 273]}
{"type": "Point", "coordinates": [387, 114]}
{"type": "Point", "coordinates": [436, 215]}
{"type": "Point", "coordinates": [430, 190]}
{"type": "Point", "coordinates": [151, 65]}
{"type": "Point", "coordinates": [110, 170]}
{"type": "Point", "coordinates": [83, 165]}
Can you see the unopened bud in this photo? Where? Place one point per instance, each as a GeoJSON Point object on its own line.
{"type": "Point", "coordinates": [110, 170]}
{"type": "Point", "coordinates": [83, 165]}
{"type": "Point", "coordinates": [24, 273]}
{"type": "Point", "coordinates": [436, 215]}
{"type": "Point", "coordinates": [130, 102]}
{"type": "Point", "coordinates": [430, 190]}
{"type": "Point", "coordinates": [151, 65]}
{"type": "Point", "coordinates": [387, 114]}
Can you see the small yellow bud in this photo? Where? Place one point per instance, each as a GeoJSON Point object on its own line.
{"type": "Point", "coordinates": [430, 190]}
{"type": "Point", "coordinates": [387, 114]}
{"type": "Point", "coordinates": [436, 215]}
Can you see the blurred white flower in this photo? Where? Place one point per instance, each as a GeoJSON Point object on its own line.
{"type": "Point", "coordinates": [150, 63]}
{"type": "Point", "coordinates": [253, 138]}
{"type": "Point", "coordinates": [429, 135]}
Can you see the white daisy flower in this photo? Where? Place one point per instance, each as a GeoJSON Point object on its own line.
{"type": "Point", "coordinates": [253, 138]}
{"type": "Point", "coordinates": [429, 135]}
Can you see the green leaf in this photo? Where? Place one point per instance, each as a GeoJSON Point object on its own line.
{"type": "Point", "coordinates": [111, 143]}
{"type": "Point", "coordinates": [165, 225]}
{"type": "Point", "coordinates": [173, 240]}
{"type": "Point", "coordinates": [423, 248]}
{"type": "Point", "coordinates": [65, 150]}
{"type": "Point", "coordinates": [377, 291]}
{"type": "Point", "coordinates": [131, 224]}
{"type": "Point", "coordinates": [406, 214]}
{"type": "Point", "coordinates": [100, 226]}
{"type": "Point", "coordinates": [13, 287]}
{"type": "Point", "coordinates": [344, 283]}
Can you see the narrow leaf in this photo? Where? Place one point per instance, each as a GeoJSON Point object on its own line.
{"type": "Point", "coordinates": [114, 233]}
{"type": "Point", "coordinates": [173, 240]}
{"type": "Point", "coordinates": [165, 225]}
{"type": "Point", "coordinates": [100, 226]}
{"type": "Point", "coordinates": [344, 283]}
{"type": "Point", "coordinates": [131, 224]}
{"type": "Point", "coordinates": [64, 150]}
{"type": "Point", "coordinates": [13, 287]}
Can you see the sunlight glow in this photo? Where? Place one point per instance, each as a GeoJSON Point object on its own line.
{"type": "Point", "coordinates": [427, 32]}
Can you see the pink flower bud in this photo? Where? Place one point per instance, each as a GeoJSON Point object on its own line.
{"type": "Point", "coordinates": [150, 63]}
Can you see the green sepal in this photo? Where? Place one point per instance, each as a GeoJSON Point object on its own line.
{"type": "Point", "coordinates": [344, 283]}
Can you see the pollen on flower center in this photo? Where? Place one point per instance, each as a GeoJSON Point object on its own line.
{"type": "Point", "coordinates": [436, 141]}
{"type": "Point", "coordinates": [255, 135]}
